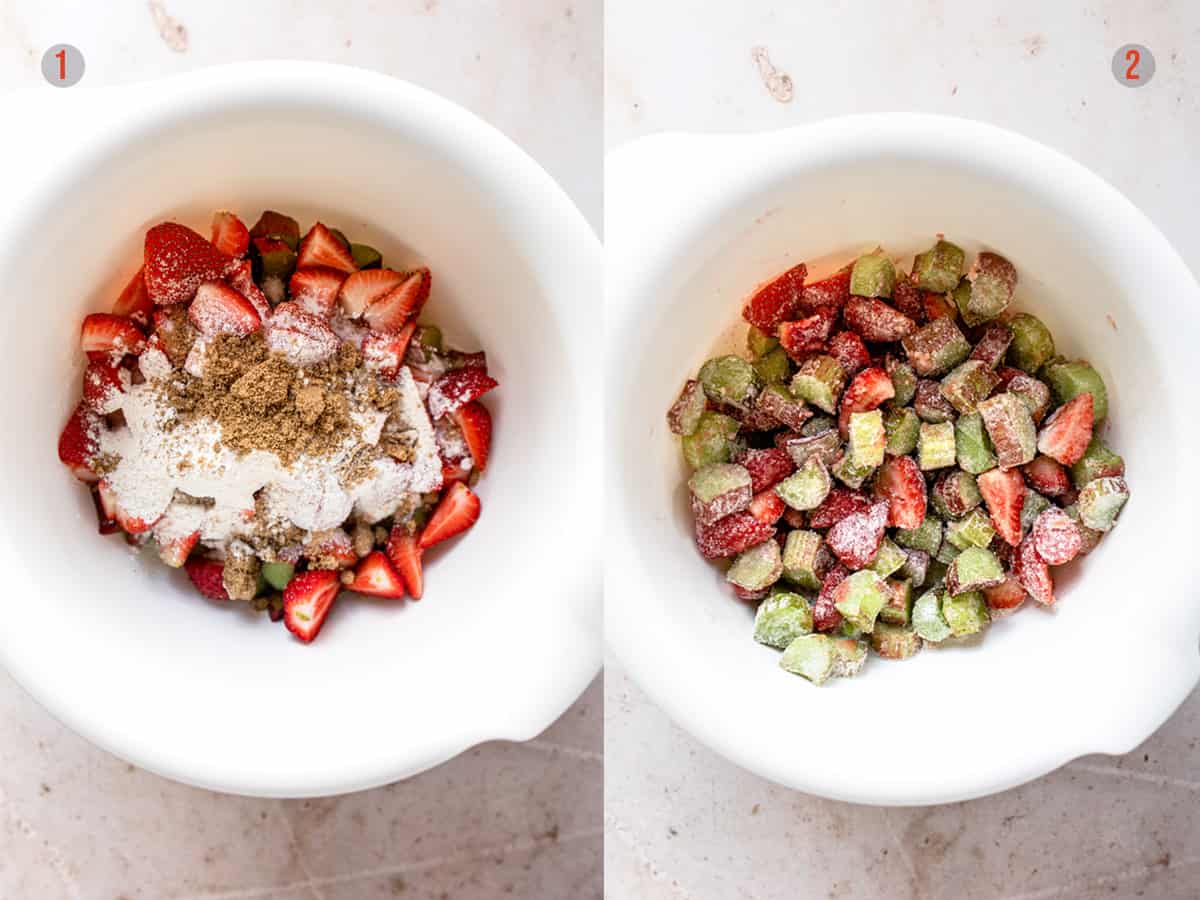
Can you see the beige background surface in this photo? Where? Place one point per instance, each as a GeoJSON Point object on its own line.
{"type": "Point", "coordinates": [684, 824]}
{"type": "Point", "coordinates": [520, 820]}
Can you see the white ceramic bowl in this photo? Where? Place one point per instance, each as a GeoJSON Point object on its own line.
{"type": "Point", "coordinates": [123, 650]}
{"type": "Point", "coordinates": [693, 224]}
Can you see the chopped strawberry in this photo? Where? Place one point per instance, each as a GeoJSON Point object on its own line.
{"type": "Point", "coordinates": [104, 386]}
{"type": "Point", "coordinates": [901, 483]}
{"type": "Point", "coordinates": [838, 503]}
{"type": "Point", "coordinates": [866, 392]}
{"type": "Point", "coordinates": [384, 352]}
{"type": "Point", "coordinates": [457, 511]}
{"type": "Point", "coordinates": [1067, 433]}
{"type": "Point", "coordinates": [1006, 374]}
{"type": "Point", "coordinates": [208, 575]}
{"type": "Point", "coordinates": [307, 600]}
{"type": "Point", "coordinates": [747, 596]}
{"type": "Point", "coordinates": [767, 507]}
{"type": "Point", "coordinates": [855, 540]}
{"type": "Point", "coordinates": [366, 286]}
{"type": "Point", "coordinates": [825, 614]}
{"type": "Point", "coordinates": [1005, 596]}
{"type": "Point", "coordinates": [107, 524]}
{"type": "Point", "coordinates": [937, 306]}
{"type": "Point", "coordinates": [1056, 536]}
{"type": "Point", "coordinates": [1047, 476]}
{"type": "Point", "coordinates": [134, 302]}
{"type": "Point", "coordinates": [793, 517]}
{"type": "Point", "coordinates": [405, 553]}
{"type": "Point", "coordinates": [106, 498]}
{"type": "Point", "coordinates": [174, 551]}
{"type": "Point", "coordinates": [178, 260]}
{"type": "Point", "coordinates": [454, 471]}
{"type": "Point", "coordinates": [241, 279]}
{"type": "Point", "coordinates": [766, 467]}
{"type": "Point", "coordinates": [1033, 573]}
{"type": "Point", "coordinates": [230, 235]}
{"type": "Point", "coordinates": [219, 309]}
{"type": "Point", "coordinates": [731, 535]}
{"type": "Point", "coordinates": [849, 350]}
{"type": "Point", "coordinates": [476, 424]}
{"type": "Point", "coordinates": [906, 297]}
{"type": "Point", "coordinates": [832, 291]}
{"type": "Point", "coordinates": [875, 321]}
{"type": "Point", "coordinates": [392, 311]}
{"type": "Point", "coordinates": [134, 524]}
{"type": "Point", "coordinates": [456, 389]}
{"type": "Point", "coordinates": [321, 248]}
{"type": "Point", "coordinates": [809, 334]}
{"type": "Point", "coordinates": [377, 577]}
{"type": "Point", "coordinates": [303, 338]}
{"type": "Point", "coordinates": [104, 335]}
{"type": "Point", "coordinates": [1003, 492]}
{"type": "Point", "coordinates": [315, 289]}
{"type": "Point", "coordinates": [79, 442]}
{"type": "Point", "coordinates": [776, 301]}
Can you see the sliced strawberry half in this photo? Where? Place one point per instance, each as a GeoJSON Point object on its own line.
{"type": "Point", "coordinates": [80, 441]}
{"type": "Point", "coordinates": [456, 389]}
{"type": "Point", "coordinates": [230, 235]}
{"type": "Point", "coordinates": [134, 301]}
{"type": "Point", "coordinates": [315, 289]}
{"type": "Point", "coordinates": [766, 467]}
{"type": "Point", "coordinates": [1006, 596]}
{"type": "Point", "coordinates": [104, 386]}
{"type": "Point", "coordinates": [809, 334]}
{"type": "Point", "coordinates": [405, 553]}
{"type": "Point", "coordinates": [321, 248]}
{"type": "Point", "coordinates": [832, 291]}
{"type": "Point", "coordinates": [366, 286]}
{"type": "Point", "coordinates": [208, 575]}
{"type": "Point", "coordinates": [850, 351]}
{"type": "Point", "coordinates": [457, 511]}
{"type": "Point", "coordinates": [377, 577]}
{"type": "Point", "coordinates": [1066, 434]}
{"type": "Point", "coordinates": [838, 503]}
{"type": "Point", "coordinates": [1033, 573]}
{"type": "Point", "coordinates": [776, 301]}
{"type": "Point", "coordinates": [219, 309]}
{"type": "Point", "coordinates": [855, 540]}
{"type": "Point", "coordinates": [403, 302]}
{"type": "Point", "coordinates": [307, 600]}
{"type": "Point", "coordinates": [1047, 476]}
{"type": "Point", "coordinates": [767, 506]}
{"type": "Point", "coordinates": [384, 352]}
{"type": "Point", "coordinates": [476, 424]}
{"type": "Point", "coordinates": [902, 485]}
{"type": "Point", "coordinates": [866, 392]}
{"type": "Point", "coordinates": [1003, 492]}
{"type": "Point", "coordinates": [825, 614]}
{"type": "Point", "coordinates": [731, 535]}
{"type": "Point", "coordinates": [178, 260]}
{"type": "Point", "coordinates": [241, 279]}
{"type": "Point", "coordinates": [103, 335]}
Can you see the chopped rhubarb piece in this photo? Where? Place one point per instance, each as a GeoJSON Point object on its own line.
{"type": "Point", "coordinates": [782, 618]}
{"type": "Point", "coordinates": [1098, 461]}
{"type": "Point", "coordinates": [279, 227]}
{"type": "Point", "coordinates": [965, 613]}
{"type": "Point", "coordinates": [1057, 537]}
{"type": "Point", "coordinates": [936, 447]}
{"type": "Point", "coordinates": [904, 380]}
{"type": "Point", "coordinates": [457, 388]}
{"type": "Point", "coordinates": [972, 570]}
{"type": "Point", "coordinates": [684, 415]}
{"type": "Point", "coordinates": [993, 345]}
{"type": "Point", "coordinates": [178, 261]}
{"type": "Point", "coordinates": [992, 280]}
{"type": "Point", "coordinates": [134, 301]}
{"type": "Point", "coordinates": [230, 235]}
{"type": "Point", "coordinates": [955, 494]}
{"type": "Point", "coordinates": [806, 335]}
{"type": "Point", "coordinates": [731, 535]}
{"type": "Point", "coordinates": [820, 380]}
{"type": "Point", "coordinates": [895, 641]}
{"type": "Point", "coordinates": [729, 380]}
{"type": "Point", "coordinates": [877, 322]}
{"type": "Point", "coordinates": [850, 351]}
{"type": "Point", "coordinates": [931, 404]}
{"type": "Point", "coordinates": [811, 656]}
{"type": "Point", "coordinates": [968, 384]}
{"type": "Point", "coordinates": [973, 447]}
{"type": "Point", "coordinates": [1101, 501]}
{"type": "Point", "coordinates": [804, 559]}
{"type": "Point", "coordinates": [711, 442]}
{"type": "Point", "coordinates": [1069, 380]}
{"type": "Point", "coordinates": [833, 291]}
{"type": "Point", "coordinates": [860, 597]}
{"type": "Point", "coordinates": [902, 485]}
{"type": "Point", "coordinates": [779, 406]}
{"type": "Point", "coordinates": [403, 302]}
{"type": "Point", "coordinates": [872, 275]}
{"type": "Point", "coordinates": [903, 428]}
{"type": "Point", "coordinates": [719, 490]}
{"type": "Point", "coordinates": [321, 248]}
{"type": "Point", "coordinates": [1011, 429]}
{"type": "Point", "coordinates": [104, 335]}
{"type": "Point", "coordinates": [1066, 434]}
{"type": "Point", "coordinates": [1032, 572]}
{"type": "Point", "coordinates": [1034, 393]}
{"type": "Point", "coordinates": [1003, 492]}
{"type": "Point", "coordinates": [766, 467]}
{"type": "Point", "coordinates": [939, 268]}
{"type": "Point", "coordinates": [936, 348]}
{"type": "Point", "coordinates": [1032, 344]}
{"type": "Point", "coordinates": [777, 300]}
{"type": "Point", "coordinates": [825, 445]}
{"type": "Point", "coordinates": [807, 487]}
{"type": "Point", "coordinates": [927, 618]}
{"type": "Point", "coordinates": [219, 309]}
{"type": "Point", "coordinates": [757, 568]}
{"type": "Point", "coordinates": [855, 539]}
{"type": "Point", "coordinates": [869, 389]}
{"type": "Point", "coordinates": [315, 289]}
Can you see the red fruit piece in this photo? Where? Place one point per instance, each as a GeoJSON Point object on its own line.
{"type": "Point", "coordinates": [315, 289]}
{"type": "Point", "coordinates": [849, 350]}
{"type": "Point", "coordinates": [178, 260]}
{"type": "Point", "coordinates": [1003, 491]}
{"type": "Point", "coordinates": [307, 600]}
{"type": "Point", "coordinates": [1032, 572]}
{"type": "Point", "coordinates": [900, 482]}
{"type": "Point", "coordinates": [174, 551]}
{"type": "Point", "coordinates": [105, 518]}
{"type": "Point", "coordinates": [866, 392]}
{"type": "Point", "coordinates": [385, 352]}
{"type": "Point", "coordinates": [404, 552]}
{"type": "Point", "coordinates": [993, 344]}
{"type": "Point", "coordinates": [321, 248]}
{"type": "Point", "coordinates": [230, 235]}
{"type": "Point", "coordinates": [1006, 374]}
{"type": "Point", "coordinates": [377, 577]}
{"type": "Point", "coordinates": [767, 507]}
{"type": "Point", "coordinates": [364, 287]}
{"type": "Point", "coordinates": [906, 297]}
{"type": "Point", "coordinates": [457, 388]}
{"type": "Point", "coordinates": [855, 540]}
{"type": "Point", "coordinates": [806, 335]}
{"type": "Point", "coordinates": [476, 424]}
{"type": "Point", "coordinates": [875, 321]}
{"type": "Point", "coordinates": [219, 309]}
{"type": "Point", "coordinates": [839, 503]}
{"type": "Point", "coordinates": [731, 535]}
{"type": "Point", "coordinates": [776, 301]}
{"type": "Point", "coordinates": [457, 511]}
{"type": "Point", "coordinates": [793, 518]}
{"type": "Point", "coordinates": [79, 442]}
{"type": "Point", "coordinates": [766, 467]}
{"type": "Point", "coordinates": [825, 614]}
{"type": "Point", "coordinates": [1056, 536]}
{"type": "Point", "coordinates": [1047, 476]}
{"type": "Point", "coordinates": [936, 306]}
{"type": "Point", "coordinates": [403, 302]}
{"type": "Point", "coordinates": [1006, 596]}
{"type": "Point", "coordinates": [748, 596]}
{"type": "Point", "coordinates": [208, 575]}
{"type": "Point", "coordinates": [134, 302]}
{"type": "Point", "coordinates": [103, 386]}
{"type": "Point", "coordinates": [1067, 433]}
{"type": "Point", "coordinates": [304, 338]}
{"type": "Point", "coordinates": [833, 291]}
{"type": "Point", "coordinates": [241, 279]}
{"type": "Point", "coordinates": [104, 335]}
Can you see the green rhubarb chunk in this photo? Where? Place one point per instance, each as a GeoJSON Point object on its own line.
{"type": "Point", "coordinates": [1098, 461]}
{"type": "Point", "coordinates": [848, 629]}
{"type": "Point", "coordinates": [939, 268]}
{"type": "Point", "coordinates": [729, 379]}
{"type": "Point", "coordinates": [759, 343]}
{"type": "Point", "coordinates": [873, 275]}
{"type": "Point", "coordinates": [1033, 506]}
{"type": "Point", "coordinates": [916, 567]}
{"type": "Point", "coordinates": [972, 444]}
{"type": "Point", "coordinates": [807, 486]}
{"type": "Point", "coordinates": [820, 380]}
{"type": "Point", "coordinates": [898, 609]}
{"type": "Point", "coordinates": [1034, 393]}
{"type": "Point", "coordinates": [902, 427]}
{"type": "Point", "coordinates": [430, 338]}
{"type": "Point", "coordinates": [712, 441]}
{"type": "Point", "coordinates": [947, 552]}
{"type": "Point", "coordinates": [888, 559]}
{"type": "Point", "coordinates": [824, 445]}
{"type": "Point", "coordinates": [992, 280]}
{"type": "Point", "coordinates": [1068, 380]}
{"type": "Point", "coordinates": [894, 641]}
{"type": "Point", "coordinates": [1010, 426]}
{"type": "Point", "coordinates": [278, 574]}
{"type": "Point", "coordinates": [810, 656]}
{"type": "Point", "coordinates": [684, 416]}
{"type": "Point", "coordinates": [850, 655]}
{"type": "Point", "coordinates": [936, 348]}
{"type": "Point", "coordinates": [904, 382]}
{"type": "Point", "coordinates": [972, 530]}
{"type": "Point", "coordinates": [1091, 537]}
{"type": "Point", "coordinates": [1032, 344]}
{"type": "Point", "coordinates": [969, 383]}
{"type": "Point", "coordinates": [758, 568]}
{"type": "Point", "coordinates": [848, 473]}
{"type": "Point", "coordinates": [1101, 501]}
{"type": "Point", "coordinates": [275, 260]}
{"type": "Point", "coordinates": [965, 613]}
{"type": "Point", "coordinates": [781, 405]}
{"type": "Point", "coordinates": [927, 536]}
{"type": "Point", "coordinates": [803, 555]}
{"type": "Point", "coordinates": [781, 618]}
{"type": "Point", "coordinates": [868, 439]}
{"type": "Point", "coordinates": [719, 490]}
{"type": "Point", "coordinates": [773, 367]}
{"type": "Point", "coordinates": [936, 445]}
{"type": "Point", "coordinates": [927, 619]}
{"type": "Point", "coordinates": [973, 569]}
{"type": "Point", "coordinates": [278, 227]}
{"type": "Point", "coordinates": [818, 424]}
{"type": "Point", "coordinates": [936, 575]}
{"type": "Point", "coordinates": [365, 256]}
{"type": "Point", "coordinates": [860, 598]}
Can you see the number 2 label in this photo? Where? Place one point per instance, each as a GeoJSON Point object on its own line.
{"type": "Point", "coordinates": [1134, 56]}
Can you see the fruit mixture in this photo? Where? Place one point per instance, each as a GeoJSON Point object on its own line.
{"type": "Point", "coordinates": [265, 409]}
{"type": "Point", "coordinates": [897, 461]}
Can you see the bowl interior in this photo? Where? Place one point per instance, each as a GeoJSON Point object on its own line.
{"type": "Point", "coordinates": [208, 692]}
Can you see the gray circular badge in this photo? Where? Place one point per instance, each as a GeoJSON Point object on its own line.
{"type": "Point", "coordinates": [62, 65]}
{"type": "Point", "coordinates": [1133, 65]}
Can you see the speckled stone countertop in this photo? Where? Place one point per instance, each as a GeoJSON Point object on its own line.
{"type": "Point", "coordinates": [683, 823]}
{"type": "Point", "coordinates": [520, 820]}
